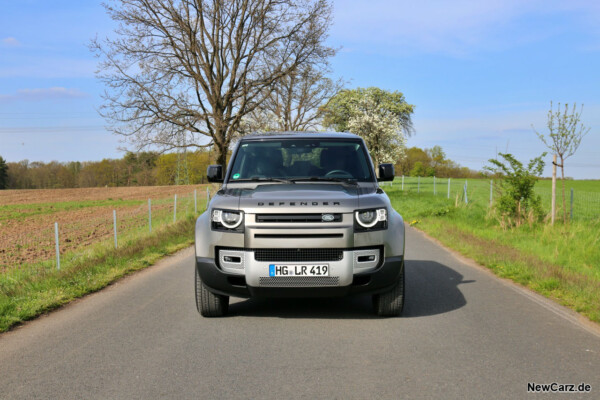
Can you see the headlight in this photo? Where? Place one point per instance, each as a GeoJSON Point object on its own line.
{"type": "Point", "coordinates": [366, 218]}
{"type": "Point", "coordinates": [371, 219]}
{"type": "Point", "coordinates": [227, 220]}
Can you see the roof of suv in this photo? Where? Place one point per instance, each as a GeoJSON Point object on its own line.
{"type": "Point", "coordinates": [300, 135]}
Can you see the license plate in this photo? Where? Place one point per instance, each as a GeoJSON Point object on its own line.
{"type": "Point", "coordinates": [298, 270]}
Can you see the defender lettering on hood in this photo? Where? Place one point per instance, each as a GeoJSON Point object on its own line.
{"type": "Point", "coordinates": [300, 203]}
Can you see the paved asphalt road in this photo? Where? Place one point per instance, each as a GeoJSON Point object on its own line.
{"type": "Point", "coordinates": [464, 334]}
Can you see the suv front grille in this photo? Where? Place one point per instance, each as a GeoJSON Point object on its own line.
{"type": "Point", "coordinates": [301, 255]}
{"type": "Point", "coordinates": [297, 218]}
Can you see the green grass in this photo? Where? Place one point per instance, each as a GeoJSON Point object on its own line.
{"type": "Point", "coordinates": [560, 262]}
{"type": "Point", "coordinates": [583, 185]}
{"type": "Point", "coordinates": [29, 292]}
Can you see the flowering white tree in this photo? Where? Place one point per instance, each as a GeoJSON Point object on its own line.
{"type": "Point", "coordinates": [380, 129]}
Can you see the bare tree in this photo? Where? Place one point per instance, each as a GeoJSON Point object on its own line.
{"type": "Point", "coordinates": [295, 102]}
{"type": "Point", "coordinates": [564, 137]}
{"type": "Point", "coordinates": [196, 68]}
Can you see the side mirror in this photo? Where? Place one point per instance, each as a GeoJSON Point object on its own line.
{"type": "Point", "coordinates": [386, 172]}
{"type": "Point", "coordinates": [214, 173]}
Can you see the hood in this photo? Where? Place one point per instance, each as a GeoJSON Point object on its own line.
{"type": "Point", "coordinates": [295, 198]}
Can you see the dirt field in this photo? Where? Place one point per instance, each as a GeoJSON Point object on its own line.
{"type": "Point", "coordinates": [84, 216]}
{"type": "Point", "coordinates": [30, 196]}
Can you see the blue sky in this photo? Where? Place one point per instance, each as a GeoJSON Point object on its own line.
{"type": "Point", "coordinates": [479, 73]}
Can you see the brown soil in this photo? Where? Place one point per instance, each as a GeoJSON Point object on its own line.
{"type": "Point", "coordinates": [28, 196]}
{"type": "Point", "coordinates": [32, 239]}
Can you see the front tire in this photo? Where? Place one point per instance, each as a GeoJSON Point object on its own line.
{"type": "Point", "coordinates": [209, 304]}
{"type": "Point", "coordinates": [391, 303]}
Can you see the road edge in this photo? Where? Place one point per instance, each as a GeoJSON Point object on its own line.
{"type": "Point", "coordinates": [558, 309]}
{"type": "Point", "coordinates": [164, 262]}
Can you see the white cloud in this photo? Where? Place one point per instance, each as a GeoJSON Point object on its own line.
{"type": "Point", "coordinates": [10, 42]}
{"type": "Point", "coordinates": [454, 27]}
{"type": "Point", "coordinates": [40, 94]}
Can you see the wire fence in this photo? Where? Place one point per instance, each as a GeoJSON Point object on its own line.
{"type": "Point", "coordinates": [37, 236]}
{"type": "Point", "coordinates": [579, 205]}
{"type": "Point", "coordinates": [37, 239]}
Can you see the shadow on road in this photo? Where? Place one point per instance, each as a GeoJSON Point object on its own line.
{"type": "Point", "coordinates": [431, 288]}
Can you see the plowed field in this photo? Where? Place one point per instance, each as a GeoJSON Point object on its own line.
{"type": "Point", "coordinates": [84, 217]}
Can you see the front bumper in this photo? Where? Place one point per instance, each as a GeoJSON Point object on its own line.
{"type": "Point", "coordinates": [380, 279]}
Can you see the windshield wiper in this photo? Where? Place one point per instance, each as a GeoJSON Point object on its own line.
{"type": "Point", "coordinates": [262, 179]}
{"type": "Point", "coordinates": [349, 181]}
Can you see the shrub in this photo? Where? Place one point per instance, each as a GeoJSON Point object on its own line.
{"type": "Point", "coordinates": [517, 202]}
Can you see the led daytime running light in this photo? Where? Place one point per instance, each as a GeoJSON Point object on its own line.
{"type": "Point", "coordinates": [381, 216]}
{"type": "Point", "coordinates": [217, 216]}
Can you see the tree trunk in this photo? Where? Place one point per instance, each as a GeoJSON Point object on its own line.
{"type": "Point", "coordinates": [222, 156]}
{"type": "Point", "coordinates": [562, 172]}
{"type": "Point", "coordinates": [553, 189]}
{"type": "Point", "coordinates": [220, 144]}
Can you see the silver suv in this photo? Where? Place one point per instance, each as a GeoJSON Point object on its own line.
{"type": "Point", "coordinates": [299, 215]}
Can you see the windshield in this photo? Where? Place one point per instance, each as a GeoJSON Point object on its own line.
{"type": "Point", "coordinates": [298, 159]}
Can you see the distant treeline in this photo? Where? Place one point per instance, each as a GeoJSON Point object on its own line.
{"type": "Point", "coordinates": [141, 169]}
{"type": "Point", "coordinates": [432, 162]}
{"type": "Point", "coordinates": [149, 168]}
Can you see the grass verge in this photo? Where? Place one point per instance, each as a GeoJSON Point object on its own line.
{"type": "Point", "coordinates": [37, 291]}
{"type": "Point", "coordinates": [560, 262]}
